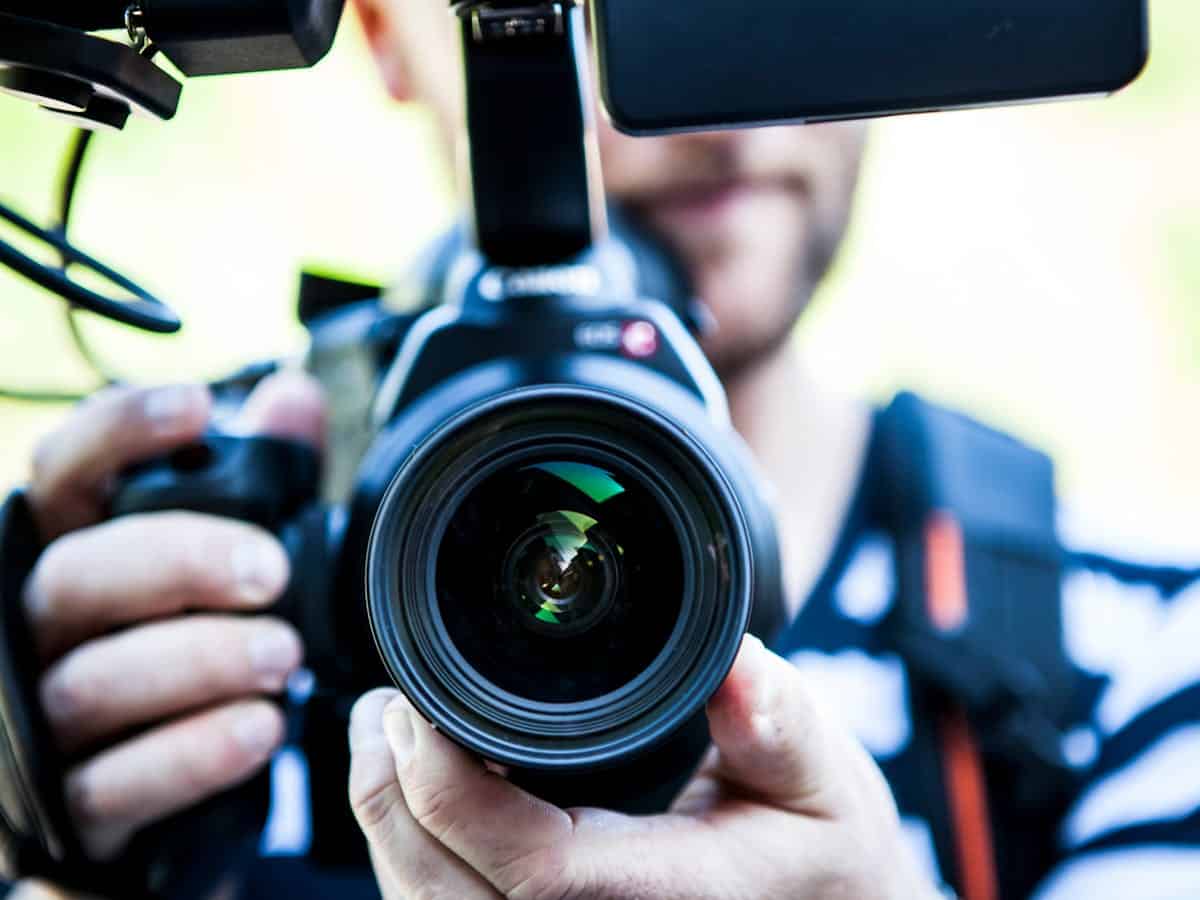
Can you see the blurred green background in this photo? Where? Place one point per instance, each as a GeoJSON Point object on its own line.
{"type": "Point", "coordinates": [1038, 266]}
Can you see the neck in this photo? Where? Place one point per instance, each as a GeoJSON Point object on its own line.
{"type": "Point", "coordinates": [811, 443]}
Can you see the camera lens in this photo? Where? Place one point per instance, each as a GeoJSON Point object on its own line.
{"type": "Point", "coordinates": [559, 576]}
{"type": "Point", "coordinates": [560, 580]}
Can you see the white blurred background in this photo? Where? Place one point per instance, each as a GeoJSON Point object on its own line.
{"type": "Point", "coordinates": [1039, 266]}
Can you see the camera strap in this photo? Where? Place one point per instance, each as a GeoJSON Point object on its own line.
{"type": "Point", "coordinates": [978, 621]}
{"type": "Point", "coordinates": [33, 839]}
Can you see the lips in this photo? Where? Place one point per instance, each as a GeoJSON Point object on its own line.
{"type": "Point", "coordinates": [702, 201]}
{"type": "Point", "coordinates": [714, 215]}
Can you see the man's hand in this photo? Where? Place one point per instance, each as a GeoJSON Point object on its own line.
{"type": "Point", "coordinates": [788, 805]}
{"type": "Point", "coordinates": [152, 631]}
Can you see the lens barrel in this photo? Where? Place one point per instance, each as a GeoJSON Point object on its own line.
{"type": "Point", "coordinates": [559, 578]}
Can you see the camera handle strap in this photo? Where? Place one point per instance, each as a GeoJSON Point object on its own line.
{"type": "Point", "coordinates": [978, 621]}
{"type": "Point", "coordinates": [35, 838]}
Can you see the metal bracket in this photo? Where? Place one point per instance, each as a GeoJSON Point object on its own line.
{"type": "Point", "coordinates": [492, 24]}
{"type": "Point", "coordinates": [135, 26]}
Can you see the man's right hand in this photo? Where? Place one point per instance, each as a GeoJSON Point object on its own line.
{"type": "Point", "coordinates": [154, 633]}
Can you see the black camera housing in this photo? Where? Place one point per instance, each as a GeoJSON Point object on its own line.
{"type": "Point", "coordinates": [681, 65]}
{"type": "Point", "coordinates": [560, 362]}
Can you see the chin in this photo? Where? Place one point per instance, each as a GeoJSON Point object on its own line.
{"type": "Point", "coordinates": [747, 334]}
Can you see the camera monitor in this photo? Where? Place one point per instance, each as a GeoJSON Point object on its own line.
{"type": "Point", "coordinates": [675, 65]}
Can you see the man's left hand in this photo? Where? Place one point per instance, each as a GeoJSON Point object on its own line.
{"type": "Point", "coordinates": [788, 805]}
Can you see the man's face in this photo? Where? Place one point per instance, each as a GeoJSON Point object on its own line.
{"type": "Point", "coordinates": [756, 215]}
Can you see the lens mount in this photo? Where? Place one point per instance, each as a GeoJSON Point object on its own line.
{"type": "Point", "coordinates": [662, 574]}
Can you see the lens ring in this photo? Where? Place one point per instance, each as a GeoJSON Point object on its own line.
{"type": "Point", "coordinates": [512, 730]}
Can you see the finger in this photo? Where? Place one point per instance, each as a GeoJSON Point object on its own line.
{"type": "Point", "coordinates": [151, 777]}
{"type": "Point", "coordinates": [155, 671]}
{"type": "Point", "coordinates": [705, 789]}
{"type": "Point", "coordinates": [501, 831]}
{"type": "Point", "coordinates": [406, 857]}
{"type": "Point", "coordinates": [290, 404]}
{"type": "Point", "coordinates": [149, 566]}
{"type": "Point", "coordinates": [73, 466]}
{"type": "Point", "coordinates": [37, 890]}
{"type": "Point", "coordinates": [527, 848]}
{"type": "Point", "coordinates": [773, 740]}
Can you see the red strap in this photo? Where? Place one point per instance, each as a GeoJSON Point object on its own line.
{"type": "Point", "coordinates": [966, 787]}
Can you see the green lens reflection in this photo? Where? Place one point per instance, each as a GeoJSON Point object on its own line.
{"type": "Point", "coordinates": [561, 572]}
{"type": "Point", "coordinates": [596, 483]}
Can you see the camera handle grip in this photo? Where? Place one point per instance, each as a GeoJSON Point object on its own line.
{"type": "Point", "coordinates": [262, 480]}
{"type": "Point", "coordinates": [269, 482]}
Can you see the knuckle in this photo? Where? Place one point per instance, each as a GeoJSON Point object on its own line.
{"type": "Point", "coordinates": [427, 888]}
{"type": "Point", "coordinates": [106, 410]}
{"type": "Point", "coordinates": [231, 760]}
{"type": "Point", "coordinates": [432, 804]}
{"type": "Point", "coordinates": [195, 551]}
{"type": "Point", "coordinates": [852, 867]}
{"type": "Point", "coordinates": [53, 580]}
{"type": "Point", "coordinates": [209, 656]}
{"type": "Point", "coordinates": [373, 804]}
{"type": "Point", "coordinates": [68, 693]}
{"type": "Point", "coordinates": [204, 551]}
{"type": "Point", "coordinates": [201, 777]}
{"type": "Point", "coordinates": [89, 803]}
{"type": "Point", "coordinates": [217, 757]}
{"type": "Point", "coordinates": [227, 762]}
{"type": "Point", "coordinates": [42, 462]}
{"type": "Point", "coordinates": [115, 410]}
{"type": "Point", "coordinates": [543, 874]}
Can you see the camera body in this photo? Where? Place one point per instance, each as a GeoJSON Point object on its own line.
{"type": "Point", "coordinates": [555, 540]}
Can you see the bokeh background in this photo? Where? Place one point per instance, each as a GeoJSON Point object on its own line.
{"type": "Point", "coordinates": [1037, 266]}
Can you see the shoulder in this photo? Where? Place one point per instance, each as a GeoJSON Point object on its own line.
{"type": "Point", "coordinates": [1131, 622]}
{"type": "Point", "coordinates": [1130, 593]}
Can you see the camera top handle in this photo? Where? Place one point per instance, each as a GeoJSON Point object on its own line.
{"type": "Point", "coordinates": [534, 161]}
{"type": "Point", "coordinates": [93, 16]}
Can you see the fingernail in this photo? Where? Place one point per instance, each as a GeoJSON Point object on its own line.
{"type": "Point", "coordinates": [274, 653]}
{"type": "Point", "coordinates": [166, 406]}
{"type": "Point", "coordinates": [366, 718]}
{"type": "Point", "coordinates": [259, 570]}
{"type": "Point", "coordinates": [399, 725]}
{"type": "Point", "coordinates": [258, 730]}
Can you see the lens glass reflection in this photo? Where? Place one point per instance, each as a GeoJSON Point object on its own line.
{"type": "Point", "coordinates": [559, 580]}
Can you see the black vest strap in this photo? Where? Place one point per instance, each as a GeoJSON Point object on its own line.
{"type": "Point", "coordinates": [978, 620]}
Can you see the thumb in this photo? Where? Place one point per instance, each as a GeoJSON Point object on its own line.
{"type": "Point", "coordinates": [290, 404]}
{"type": "Point", "coordinates": [774, 742]}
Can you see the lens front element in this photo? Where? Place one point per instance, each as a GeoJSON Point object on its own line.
{"type": "Point", "coordinates": [558, 580]}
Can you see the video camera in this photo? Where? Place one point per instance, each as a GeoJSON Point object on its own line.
{"type": "Point", "coordinates": [554, 541]}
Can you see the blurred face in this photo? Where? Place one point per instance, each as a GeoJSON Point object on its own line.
{"type": "Point", "coordinates": [755, 215]}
